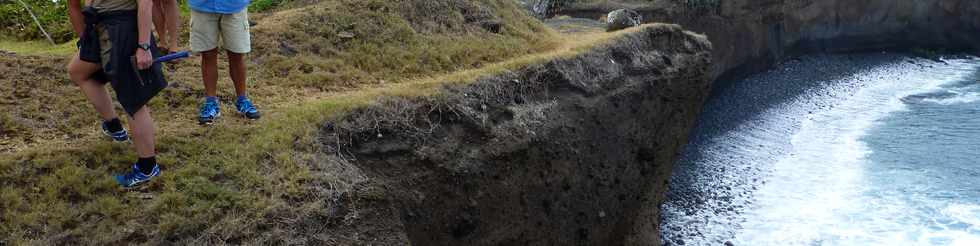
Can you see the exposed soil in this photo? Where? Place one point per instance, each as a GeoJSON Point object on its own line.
{"type": "Point", "coordinates": [37, 79]}
{"type": "Point", "coordinates": [574, 151]}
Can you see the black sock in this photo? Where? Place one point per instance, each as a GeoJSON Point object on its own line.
{"type": "Point", "coordinates": [146, 164]}
{"type": "Point", "coordinates": [114, 125]}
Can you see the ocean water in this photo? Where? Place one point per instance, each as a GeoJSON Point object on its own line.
{"type": "Point", "coordinates": [866, 149]}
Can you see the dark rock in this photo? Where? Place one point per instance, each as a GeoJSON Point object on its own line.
{"type": "Point", "coordinates": [623, 18]}
{"type": "Point", "coordinates": [752, 35]}
{"type": "Point", "coordinates": [543, 9]}
{"type": "Point", "coordinates": [286, 49]}
{"type": "Point", "coordinates": [345, 35]}
{"type": "Point", "coordinates": [491, 25]}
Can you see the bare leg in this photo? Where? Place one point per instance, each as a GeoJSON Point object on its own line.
{"type": "Point", "coordinates": [209, 71]}
{"type": "Point", "coordinates": [81, 72]}
{"type": "Point", "coordinates": [237, 69]}
{"type": "Point", "coordinates": [172, 13]}
{"type": "Point", "coordinates": [160, 23]}
{"type": "Point", "coordinates": [143, 133]}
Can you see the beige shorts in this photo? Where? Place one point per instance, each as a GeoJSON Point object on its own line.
{"type": "Point", "coordinates": [207, 29]}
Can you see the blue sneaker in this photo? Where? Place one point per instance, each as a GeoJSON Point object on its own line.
{"type": "Point", "coordinates": [136, 177]}
{"type": "Point", "coordinates": [246, 108]}
{"type": "Point", "coordinates": [209, 111]}
{"type": "Point", "coordinates": [120, 136]}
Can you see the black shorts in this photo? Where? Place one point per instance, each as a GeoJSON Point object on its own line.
{"type": "Point", "coordinates": [87, 55]}
{"type": "Point", "coordinates": [111, 40]}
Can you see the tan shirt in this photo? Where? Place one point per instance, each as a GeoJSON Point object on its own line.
{"type": "Point", "coordinates": [112, 5]}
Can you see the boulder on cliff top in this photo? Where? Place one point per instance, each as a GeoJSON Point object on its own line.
{"type": "Point", "coordinates": [543, 9]}
{"type": "Point", "coordinates": [622, 19]}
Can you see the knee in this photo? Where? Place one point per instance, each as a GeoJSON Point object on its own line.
{"type": "Point", "coordinates": [209, 56]}
{"type": "Point", "coordinates": [141, 122]}
{"type": "Point", "coordinates": [235, 57]}
{"type": "Point", "coordinates": [143, 115]}
{"type": "Point", "coordinates": [76, 74]}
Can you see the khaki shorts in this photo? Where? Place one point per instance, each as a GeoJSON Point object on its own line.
{"type": "Point", "coordinates": [207, 29]}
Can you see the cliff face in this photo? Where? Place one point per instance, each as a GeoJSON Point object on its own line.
{"type": "Point", "coordinates": [579, 150]}
{"type": "Point", "coordinates": [573, 151]}
{"type": "Point", "coordinates": [749, 35]}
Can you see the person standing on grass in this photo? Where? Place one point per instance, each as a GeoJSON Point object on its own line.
{"type": "Point", "coordinates": [166, 18]}
{"type": "Point", "coordinates": [115, 36]}
{"type": "Point", "coordinates": [227, 21]}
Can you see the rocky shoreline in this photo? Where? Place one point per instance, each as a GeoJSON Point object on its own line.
{"type": "Point", "coordinates": [749, 122]}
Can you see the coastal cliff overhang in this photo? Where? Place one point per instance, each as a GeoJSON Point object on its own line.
{"type": "Point", "coordinates": [574, 150]}
{"type": "Point", "coordinates": [750, 35]}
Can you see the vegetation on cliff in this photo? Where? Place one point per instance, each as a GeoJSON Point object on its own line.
{"type": "Point", "coordinates": [16, 22]}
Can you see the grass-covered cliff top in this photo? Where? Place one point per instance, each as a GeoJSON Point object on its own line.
{"type": "Point", "coordinates": [240, 181]}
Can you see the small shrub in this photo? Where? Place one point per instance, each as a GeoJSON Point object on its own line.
{"type": "Point", "coordinates": [265, 5]}
{"type": "Point", "coordinates": [8, 126]}
{"type": "Point", "coordinates": [16, 23]}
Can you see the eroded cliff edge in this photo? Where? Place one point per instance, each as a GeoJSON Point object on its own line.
{"type": "Point", "coordinates": [577, 150]}
{"type": "Point", "coordinates": [751, 35]}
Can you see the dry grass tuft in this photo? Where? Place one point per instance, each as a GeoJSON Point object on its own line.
{"type": "Point", "coordinates": [345, 43]}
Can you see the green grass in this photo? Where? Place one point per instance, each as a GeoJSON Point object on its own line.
{"type": "Point", "coordinates": [265, 5]}
{"type": "Point", "coordinates": [340, 43]}
{"type": "Point", "coordinates": [37, 48]}
{"type": "Point", "coordinates": [17, 24]}
{"type": "Point", "coordinates": [241, 181]}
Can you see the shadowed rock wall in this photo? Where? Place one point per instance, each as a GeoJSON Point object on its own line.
{"type": "Point", "coordinates": [749, 35]}
{"type": "Point", "coordinates": [574, 151]}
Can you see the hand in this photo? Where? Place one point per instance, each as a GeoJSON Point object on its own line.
{"type": "Point", "coordinates": [144, 60]}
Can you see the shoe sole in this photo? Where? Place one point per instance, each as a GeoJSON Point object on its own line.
{"type": "Point", "coordinates": [209, 122]}
{"type": "Point", "coordinates": [140, 184]}
{"type": "Point", "coordinates": [108, 135]}
{"type": "Point", "coordinates": [116, 140]}
{"type": "Point", "coordinates": [249, 118]}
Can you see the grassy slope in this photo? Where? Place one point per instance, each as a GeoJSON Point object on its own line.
{"type": "Point", "coordinates": [240, 180]}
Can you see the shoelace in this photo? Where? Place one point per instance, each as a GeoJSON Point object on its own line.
{"type": "Point", "coordinates": [246, 106]}
{"type": "Point", "coordinates": [133, 177]}
{"type": "Point", "coordinates": [209, 109]}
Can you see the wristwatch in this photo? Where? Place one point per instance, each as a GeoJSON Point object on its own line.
{"type": "Point", "coordinates": [145, 46]}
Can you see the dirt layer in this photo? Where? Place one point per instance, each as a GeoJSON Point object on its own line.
{"type": "Point", "coordinates": [573, 151]}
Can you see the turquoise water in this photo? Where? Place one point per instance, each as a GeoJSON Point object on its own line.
{"type": "Point", "coordinates": [873, 149]}
{"type": "Point", "coordinates": [924, 164]}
